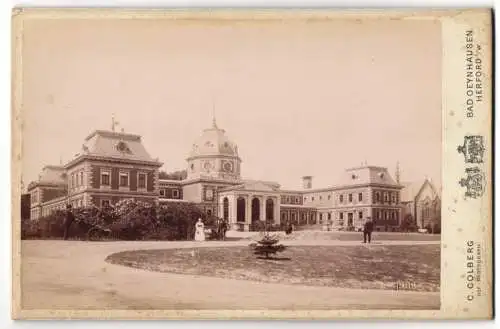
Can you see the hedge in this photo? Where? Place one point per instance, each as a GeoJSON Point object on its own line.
{"type": "Point", "coordinates": [126, 220]}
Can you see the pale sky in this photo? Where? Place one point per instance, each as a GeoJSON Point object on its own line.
{"type": "Point", "coordinates": [298, 99]}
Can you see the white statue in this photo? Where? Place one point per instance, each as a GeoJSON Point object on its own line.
{"type": "Point", "coordinates": [199, 234]}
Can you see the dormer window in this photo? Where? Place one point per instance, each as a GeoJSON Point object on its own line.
{"type": "Point", "coordinates": [381, 175]}
{"type": "Point", "coordinates": [354, 176]}
{"type": "Point", "coordinates": [122, 147]}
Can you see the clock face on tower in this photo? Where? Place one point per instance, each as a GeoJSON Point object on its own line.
{"type": "Point", "coordinates": [228, 166]}
{"type": "Point", "coordinates": [208, 166]}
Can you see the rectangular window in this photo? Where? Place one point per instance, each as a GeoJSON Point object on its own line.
{"type": "Point", "coordinates": [305, 199]}
{"type": "Point", "coordinates": [141, 180]}
{"type": "Point", "coordinates": [329, 196]}
{"type": "Point", "coordinates": [341, 215]}
{"type": "Point", "coordinates": [162, 192]}
{"type": "Point", "coordinates": [105, 175]}
{"type": "Point", "coordinates": [209, 194]}
{"type": "Point", "coordinates": [175, 193]}
{"type": "Point", "coordinates": [350, 197]}
{"type": "Point", "coordinates": [393, 198]}
{"type": "Point", "coordinates": [73, 184]}
{"type": "Point", "coordinates": [341, 198]}
{"type": "Point", "coordinates": [81, 178]}
{"type": "Point", "coordinates": [312, 199]}
{"type": "Point", "coordinates": [329, 216]}
{"type": "Point", "coordinates": [123, 179]}
{"type": "Point", "coordinates": [386, 198]}
{"type": "Point", "coordinates": [360, 214]}
{"type": "Point", "coordinates": [360, 197]}
{"type": "Point", "coordinates": [377, 197]}
{"type": "Point", "coordinates": [105, 203]}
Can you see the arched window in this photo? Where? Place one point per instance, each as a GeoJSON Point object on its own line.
{"type": "Point", "coordinates": [240, 209]}
{"type": "Point", "coordinates": [269, 209]}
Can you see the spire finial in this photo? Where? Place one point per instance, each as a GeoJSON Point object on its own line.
{"type": "Point", "coordinates": [398, 173]}
{"type": "Point", "coordinates": [214, 121]}
{"type": "Point", "coordinates": [114, 123]}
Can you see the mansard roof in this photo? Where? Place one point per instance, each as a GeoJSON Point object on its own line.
{"type": "Point", "coordinates": [115, 146]}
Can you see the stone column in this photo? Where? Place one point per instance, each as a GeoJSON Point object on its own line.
{"type": "Point", "coordinates": [276, 209]}
{"type": "Point", "coordinates": [233, 207]}
{"type": "Point", "coordinates": [248, 212]}
{"type": "Point", "coordinates": [262, 201]}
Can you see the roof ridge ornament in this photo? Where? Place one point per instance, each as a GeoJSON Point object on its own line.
{"type": "Point", "coordinates": [214, 121]}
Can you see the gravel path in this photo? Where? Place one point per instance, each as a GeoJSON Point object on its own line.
{"type": "Point", "coordinates": [70, 275]}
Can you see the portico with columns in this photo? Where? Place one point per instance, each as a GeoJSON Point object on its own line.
{"type": "Point", "coordinates": [245, 204]}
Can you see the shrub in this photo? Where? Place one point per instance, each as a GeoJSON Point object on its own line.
{"type": "Point", "coordinates": [127, 220]}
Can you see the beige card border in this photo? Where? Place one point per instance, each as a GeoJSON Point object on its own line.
{"type": "Point", "coordinates": [462, 219]}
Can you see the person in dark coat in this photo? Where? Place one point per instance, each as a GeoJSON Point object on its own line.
{"type": "Point", "coordinates": [70, 218]}
{"type": "Point", "coordinates": [289, 228]}
{"type": "Point", "coordinates": [367, 230]}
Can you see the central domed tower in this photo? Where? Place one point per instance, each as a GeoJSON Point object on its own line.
{"type": "Point", "coordinates": [214, 156]}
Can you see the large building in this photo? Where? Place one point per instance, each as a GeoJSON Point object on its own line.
{"type": "Point", "coordinates": [112, 166]}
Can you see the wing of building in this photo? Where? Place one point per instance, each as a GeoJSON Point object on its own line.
{"type": "Point", "coordinates": [113, 166]}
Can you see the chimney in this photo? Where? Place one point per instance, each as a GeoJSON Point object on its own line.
{"type": "Point", "coordinates": [307, 182]}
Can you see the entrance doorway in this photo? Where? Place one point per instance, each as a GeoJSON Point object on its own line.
{"type": "Point", "coordinates": [350, 221]}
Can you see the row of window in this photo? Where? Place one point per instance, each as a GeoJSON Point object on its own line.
{"type": "Point", "coordinates": [350, 215]}
{"type": "Point", "coordinates": [123, 179]}
{"type": "Point", "coordinates": [385, 215]}
{"type": "Point", "coordinates": [392, 196]}
{"type": "Point", "coordinates": [76, 180]}
{"type": "Point", "coordinates": [34, 196]}
{"type": "Point", "coordinates": [350, 197]}
{"type": "Point", "coordinates": [175, 193]}
{"type": "Point", "coordinates": [290, 199]}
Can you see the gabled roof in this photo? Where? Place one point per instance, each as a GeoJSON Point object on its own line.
{"type": "Point", "coordinates": [115, 145]}
{"type": "Point", "coordinates": [412, 190]}
{"type": "Point", "coordinates": [253, 185]}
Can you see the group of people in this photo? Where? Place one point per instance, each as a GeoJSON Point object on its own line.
{"type": "Point", "coordinates": [221, 227]}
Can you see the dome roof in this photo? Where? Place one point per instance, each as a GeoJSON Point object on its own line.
{"type": "Point", "coordinates": [213, 141]}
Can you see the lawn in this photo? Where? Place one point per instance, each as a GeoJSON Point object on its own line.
{"type": "Point", "coordinates": [366, 266]}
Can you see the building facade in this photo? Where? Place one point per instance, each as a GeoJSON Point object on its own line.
{"type": "Point", "coordinates": [421, 205]}
{"type": "Point", "coordinates": [112, 166]}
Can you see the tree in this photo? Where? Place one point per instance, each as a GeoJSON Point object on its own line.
{"type": "Point", "coordinates": [267, 245]}
{"type": "Point", "coordinates": [408, 224]}
{"type": "Point", "coordinates": [176, 175]}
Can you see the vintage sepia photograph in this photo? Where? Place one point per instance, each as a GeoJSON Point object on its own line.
{"type": "Point", "coordinates": [232, 164]}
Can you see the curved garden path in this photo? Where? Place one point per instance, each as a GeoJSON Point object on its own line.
{"type": "Point", "coordinates": [72, 275]}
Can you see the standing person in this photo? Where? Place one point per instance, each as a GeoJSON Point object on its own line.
{"type": "Point", "coordinates": [68, 221]}
{"type": "Point", "coordinates": [199, 234]}
{"type": "Point", "coordinates": [367, 230]}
